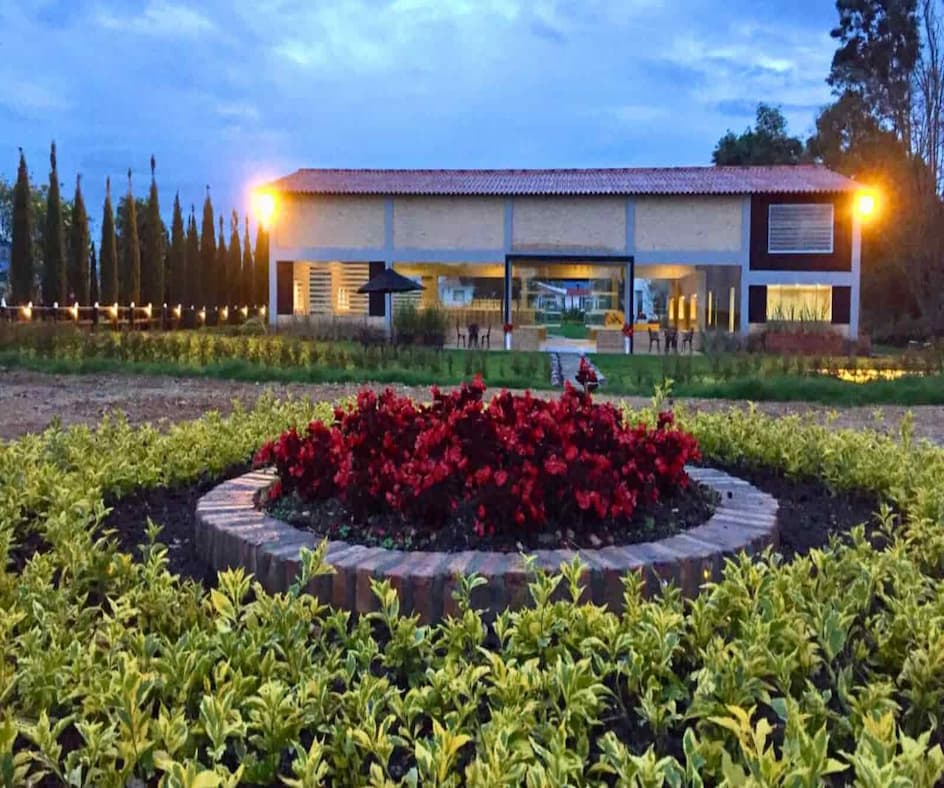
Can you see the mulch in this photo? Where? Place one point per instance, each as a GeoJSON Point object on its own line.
{"type": "Point", "coordinates": [330, 519]}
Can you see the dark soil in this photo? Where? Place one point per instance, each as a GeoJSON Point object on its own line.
{"type": "Point", "coordinates": [688, 508]}
{"type": "Point", "coordinates": [810, 513]}
{"type": "Point", "coordinates": [173, 509]}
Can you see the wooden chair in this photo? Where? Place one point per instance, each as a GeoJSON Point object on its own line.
{"type": "Point", "coordinates": [654, 340]}
{"type": "Point", "coordinates": [688, 339]}
{"type": "Point", "coordinates": [473, 335]}
{"type": "Point", "coordinates": [460, 336]}
{"type": "Point", "coordinates": [671, 339]}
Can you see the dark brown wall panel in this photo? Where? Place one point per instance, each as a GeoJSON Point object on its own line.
{"type": "Point", "coordinates": [284, 285]}
{"type": "Point", "coordinates": [842, 304]}
{"type": "Point", "coordinates": [839, 260]}
{"type": "Point", "coordinates": [757, 304]}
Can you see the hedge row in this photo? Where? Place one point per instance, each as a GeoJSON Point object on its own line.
{"type": "Point", "coordinates": [830, 668]}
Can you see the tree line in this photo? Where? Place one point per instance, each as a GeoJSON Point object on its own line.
{"type": "Point", "coordinates": [886, 129]}
{"type": "Point", "coordinates": [54, 260]}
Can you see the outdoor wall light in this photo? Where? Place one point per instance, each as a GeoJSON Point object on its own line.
{"type": "Point", "coordinates": [866, 204]}
{"type": "Point", "coordinates": [263, 204]}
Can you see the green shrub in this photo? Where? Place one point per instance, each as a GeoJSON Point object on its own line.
{"type": "Point", "coordinates": [112, 671]}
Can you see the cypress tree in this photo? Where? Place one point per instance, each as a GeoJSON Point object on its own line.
{"type": "Point", "coordinates": [249, 295]}
{"type": "Point", "coordinates": [221, 262]}
{"type": "Point", "coordinates": [54, 261]}
{"type": "Point", "coordinates": [152, 262]}
{"type": "Point", "coordinates": [194, 279]}
{"type": "Point", "coordinates": [109, 251]}
{"type": "Point", "coordinates": [235, 264]}
{"type": "Point", "coordinates": [78, 270]}
{"type": "Point", "coordinates": [93, 276]}
{"type": "Point", "coordinates": [177, 258]}
{"type": "Point", "coordinates": [208, 254]}
{"type": "Point", "coordinates": [21, 254]}
{"type": "Point", "coordinates": [130, 251]}
{"type": "Point", "coordinates": [261, 268]}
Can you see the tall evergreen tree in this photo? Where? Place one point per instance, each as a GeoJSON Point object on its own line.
{"type": "Point", "coordinates": [78, 270]}
{"type": "Point", "coordinates": [152, 259]}
{"type": "Point", "coordinates": [222, 260]}
{"type": "Point", "coordinates": [130, 278]}
{"type": "Point", "coordinates": [235, 265]}
{"type": "Point", "coordinates": [177, 258]}
{"type": "Point", "coordinates": [54, 260]}
{"type": "Point", "coordinates": [109, 251]}
{"type": "Point", "coordinates": [21, 254]}
{"type": "Point", "coordinates": [208, 276]}
{"type": "Point", "coordinates": [194, 286]}
{"type": "Point", "coordinates": [93, 276]}
{"type": "Point", "coordinates": [261, 268]}
{"type": "Point", "coordinates": [249, 295]}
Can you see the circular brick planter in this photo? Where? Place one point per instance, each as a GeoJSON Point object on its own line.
{"type": "Point", "coordinates": [231, 532]}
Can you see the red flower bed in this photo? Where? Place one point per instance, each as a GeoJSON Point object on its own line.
{"type": "Point", "coordinates": [518, 463]}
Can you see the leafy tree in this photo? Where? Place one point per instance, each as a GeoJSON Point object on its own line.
{"type": "Point", "coordinates": [152, 248]}
{"type": "Point", "coordinates": [767, 143]}
{"type": "Point", "coordinates": [21, 232]}
{"type": "Point", "coordinates": [249, 294]}
{"type": "Point", "coordinates": [177, 258]}
{"type": "Point", "coordinates": [235, 265]}
{"type": "Point", "coordinates": [54, 261]}
{"type": "Point", "coordinates": [208, 275]}
{"type": "Point", "coordinates": [109, 251]}
{"type": "Point", "coordinates": [93, 276]}
{"type": "Point", "coordinates": [221, 262]}
{"type": "Point", "coordinates": [78, 271]}
{"type": "Point", "coordinates": [194, 283]}
{"type": "Point", "coordinates": [879, 45]}
{"type": "Point", "coordinates": [128, 236]}
{"type": "Point", "coordinates": [261, 268]}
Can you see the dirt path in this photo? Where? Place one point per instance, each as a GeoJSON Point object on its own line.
{"type": "Point", "coordinates": [29, 401]}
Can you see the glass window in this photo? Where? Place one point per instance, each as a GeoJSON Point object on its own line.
{"type": "Point", "coordinates": [807, 303]}
{"type": "Point", "coordinates": [800, 229]}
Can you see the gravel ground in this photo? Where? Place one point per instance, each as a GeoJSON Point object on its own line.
{"type": "Point", "coordinates": [29, 401]}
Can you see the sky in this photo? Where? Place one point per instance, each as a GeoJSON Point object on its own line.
{"type": "Point", "coordinates": [230, 93]}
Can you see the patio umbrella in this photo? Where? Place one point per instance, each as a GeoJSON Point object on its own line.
{"type": "Point", "coordinates": [389, 282]}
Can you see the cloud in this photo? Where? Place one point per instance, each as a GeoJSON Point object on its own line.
{"type": "Point", "coordinates": [159, 18]}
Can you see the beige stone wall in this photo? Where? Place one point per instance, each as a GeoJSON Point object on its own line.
{"type": "Point", "coordinates": [448, 222]}
{"type": "Point", "coordinates": [350, 222]}
{"type": "Point", "coordinates": [688, 224]}
{"type": "Point", "coordinates": [562, 223]}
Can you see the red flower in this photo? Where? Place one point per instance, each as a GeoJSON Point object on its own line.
{"type": "Point", "coordinates": [627, 329]}
{"type": "Point", "coordinates": [508, 327]}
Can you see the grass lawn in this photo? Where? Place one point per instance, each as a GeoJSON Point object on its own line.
{"type": "Point", "coordinates": [762, 378]}
{"type": "Point", "coordinates": [568, 330]}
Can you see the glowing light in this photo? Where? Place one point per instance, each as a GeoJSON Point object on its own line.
{"type": "Point", "coordinates": [866, 204]}
{"type": "Point", "coordinates": [202, 314]}
{"type": "Point", "coordinates": [177, 310]}
{"type": "Point", "coordinates": [262, 311]}
{"type": "Point", "coordinates": [263, 204]}
{"type": "Point", "coordinates": [224, 313]}
{"type": "Point", "coordinates": [27, 311]}
{"type": "Point", "coordinates": [147, 310]}
{"type": "Point", "coordinates": [114, 310]}
{"type": "Point", "coordinates": [244, 311]}
{"type": "Point", "coordinates": [74, 311]}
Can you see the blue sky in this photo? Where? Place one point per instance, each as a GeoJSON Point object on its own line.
{"type": "Point", "coordinates": [231, 92]}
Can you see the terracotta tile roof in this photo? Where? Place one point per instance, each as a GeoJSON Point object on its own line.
{"type": "Point", "coordinates": [655, 180]}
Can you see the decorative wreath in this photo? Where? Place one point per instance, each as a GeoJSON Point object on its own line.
{"type": "Point", "coordinates": [627, 330]}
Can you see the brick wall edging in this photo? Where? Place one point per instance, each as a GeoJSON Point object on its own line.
{"type": "Point", "coordinates": [231, 532]}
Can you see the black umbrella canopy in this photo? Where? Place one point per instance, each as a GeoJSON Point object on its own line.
{"type": "Point", "coordinates": [390, 282]}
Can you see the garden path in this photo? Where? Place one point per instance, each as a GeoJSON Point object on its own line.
{"type": "Point", "coordinates": [29, 401]}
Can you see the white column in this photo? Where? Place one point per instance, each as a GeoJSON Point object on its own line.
{"type": "Point", "coordinates": [273, 287]}
{"type": "Point", "coordinates": [855, 293]}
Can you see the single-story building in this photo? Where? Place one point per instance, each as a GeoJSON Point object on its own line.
{"type": "Point", "coordinates": [725, 248]}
